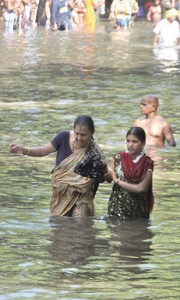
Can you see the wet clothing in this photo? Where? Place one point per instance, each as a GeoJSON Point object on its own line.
{"type": "Point", "coordinates": [41, 14]}
{"type": "Point", "coordinates": [123, 203]}
{"type": "Point", "coordinates": [60, 14]}
{"type": "Point", "coordinates": [89, 16]}
{"type": "Point", "coordinates": [10, 20]}
{"type": "Point", "coordinates": [167, 32]}
{"type": "Point", "coordinates": [72, 193]}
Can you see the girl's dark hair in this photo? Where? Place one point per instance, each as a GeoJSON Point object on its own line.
{"type": "Point", "coordinates": [85, 120]}
{"type": "Point", "coordinates": [137, 132]}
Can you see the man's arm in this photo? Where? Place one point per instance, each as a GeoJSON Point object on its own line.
{"type": "Point", "coordinates": [168, 135]}
{"type": "Point", "coordinates": [155, 39]}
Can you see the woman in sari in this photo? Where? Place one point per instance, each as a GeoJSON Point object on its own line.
{"type": "Point", "coordinates": [132, 170]}
{"type": "Point", "coordinates": [72, 193]}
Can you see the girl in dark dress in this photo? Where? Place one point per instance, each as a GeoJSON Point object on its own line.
{"type": "Point", "coordinates": [132, 170]}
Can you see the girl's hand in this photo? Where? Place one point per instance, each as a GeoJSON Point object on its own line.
{"type": "Point", "coordinates": [114, 177]}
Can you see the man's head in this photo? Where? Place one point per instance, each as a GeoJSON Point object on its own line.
{"type": "Point", "coordinates": [171, 14]}
{"type": "Point", "coordinates": [149, 104]}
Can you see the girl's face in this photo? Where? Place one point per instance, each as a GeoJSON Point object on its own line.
{"type": "Point", "coordinates": [134, 145]}
{"type": "Point", "coordinates": [82, 136]}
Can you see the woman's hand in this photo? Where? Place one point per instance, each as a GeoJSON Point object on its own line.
{"type": "Point", "coordinates": [18, 149]}
{"type": "Point", "coordinates": [35, 151]}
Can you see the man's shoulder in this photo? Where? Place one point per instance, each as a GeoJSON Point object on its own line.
{"type": "Point", "coordinates": [139, 120]}
{"type": "Point", "coordinates": [163, 120]}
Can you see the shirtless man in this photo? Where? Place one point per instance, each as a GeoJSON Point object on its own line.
{"type": "Point", "coordinates": [158, 130]}
{"type": "Point", "coordinates": [11, 14]}
{"type": "Point", "coordinates": [154, 13]}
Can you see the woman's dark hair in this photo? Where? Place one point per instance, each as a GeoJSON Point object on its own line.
{"type": "Point", "coordinates": [85, 120]}
{"type": "Point", "coordinates": [137, 132]}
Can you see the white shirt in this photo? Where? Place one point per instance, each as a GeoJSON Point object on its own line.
{"type": "Point", "coordinates": [167, 32]}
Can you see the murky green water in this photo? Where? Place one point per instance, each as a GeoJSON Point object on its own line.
{"type": "Point", "coordinates": [46, 80]}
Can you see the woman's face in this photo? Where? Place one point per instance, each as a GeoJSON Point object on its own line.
{"type": "Point", "coordinates": [134, 145]}
{"type": "Point", "coordinates": [82, 135]}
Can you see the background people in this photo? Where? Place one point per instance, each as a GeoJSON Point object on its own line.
{"type": "Point", "coordinates": [60, 14]}
{"type": "Point", "coordinates": [90, 17]}
{"type": "Point", "coordinates": [166, 32]}
{"type": "Point", "coordinates": [167, 5]}
{"type": "Point", "coordinates": [132, 170]}
{"type": "Point", "coordinates": [154, 13]}
{"type": "Point", "coordinates": [72, 193]}
{"type": "Point", "coordinates": [11, 14]}
{"type": "Point", "coordinates": [121, 12]}
{"type": "Point", "coordinates": [158, 130]}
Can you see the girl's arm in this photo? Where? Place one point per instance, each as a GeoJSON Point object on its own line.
{"type": "Point", "coordinates": [136, 187]}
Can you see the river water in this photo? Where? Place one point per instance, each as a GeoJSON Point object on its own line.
{"type": "Point", "coordinates": [47, 79]}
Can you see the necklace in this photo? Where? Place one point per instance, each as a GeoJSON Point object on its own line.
{"type": "Point", "coordinates": [135, 161]}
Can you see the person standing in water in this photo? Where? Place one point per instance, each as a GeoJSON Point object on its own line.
{"type": "Point", "coordinates": [166, 32]}
{"type": "Point", "coordinates": [73, 194]}
{"type": "Point", "coordinates": [132, 173]}
{"type": "Point", "coordinates": [158, 130]}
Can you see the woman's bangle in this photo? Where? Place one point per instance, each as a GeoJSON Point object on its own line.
{"type": "Point", "coordinates": [107, 173]}
{"type": "Point", "coordinates": [27, 153]}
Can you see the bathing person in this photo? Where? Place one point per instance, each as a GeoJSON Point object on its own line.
{"type": "Point", "coordinates": [158, 130]}
{"type": "Point", "coordinates": [121, 12]}
{"type": "Point", "coordinates": [132, 170]}
{"type": "Point", "coordinates": [72, 193]}
{"type": "Point", "coordinates": [10, 14]}
{"type": "Point", "coordinates": [166, 32]}
{"type": "Point", "coordinates": [61, 15]}
{"type": "Point", "coordinates": [154, 13]}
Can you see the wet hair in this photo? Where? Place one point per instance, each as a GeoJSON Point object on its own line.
{"type": "Point", "coordinates": [85, 120]}
{"type": "Point", "coordinates": [137, 132]}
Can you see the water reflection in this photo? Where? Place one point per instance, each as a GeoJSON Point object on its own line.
{"type": "Point", "coordinates": [168, 56]}
{"type": "Point", "coordinates": [72, 240]}
{"type": "Point", "coordinates": [78, 242]}
{"type": "Point", "coordinates": [47, 79]}
{"type": "Point", "coordinates": [131, 243]}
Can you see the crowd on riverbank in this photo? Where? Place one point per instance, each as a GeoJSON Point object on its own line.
{"type": "Point", "coordinates": [82, 14]}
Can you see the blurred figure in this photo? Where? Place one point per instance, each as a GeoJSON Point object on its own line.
{"type": "Point", "coordinates": [166, 32]}
{"type": "Point", "coordinates": [166, 5]}
{"type": "Point", "coordinates": [60, 14]}
{"type": "Point", "coordinates": [10, 15]}
{"type": "Point", "coordinates": [154, 13]}
{"type": "Point", "coordinates": [91, 7]}
{"type": "Point", "coordinates": [78, 13]}
{"type": "Point", "coordinates": [121, 13]}
{"type": "Point", "coordinates": [177, 7]}
{"type": "Point", "coordinates": [134, 11]}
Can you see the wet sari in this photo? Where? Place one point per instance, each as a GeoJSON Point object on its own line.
{"type": "Point", "coordinates": [89, 16]}
{"type": "Point", "coordinates": [123, 203]}
{"type": "Point", "coordinates": [71, 191]}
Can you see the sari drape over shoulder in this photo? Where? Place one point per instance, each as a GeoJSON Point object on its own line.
{"type": "Point", "coordinates": [69, 188]}
{"type": "Point", "coordinates": [135, 172]}
{"type": "Point", "coordinates": [124, 203]}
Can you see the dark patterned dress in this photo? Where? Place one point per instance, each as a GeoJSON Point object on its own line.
{"type": "Point", "coordinates": [125, 204]}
